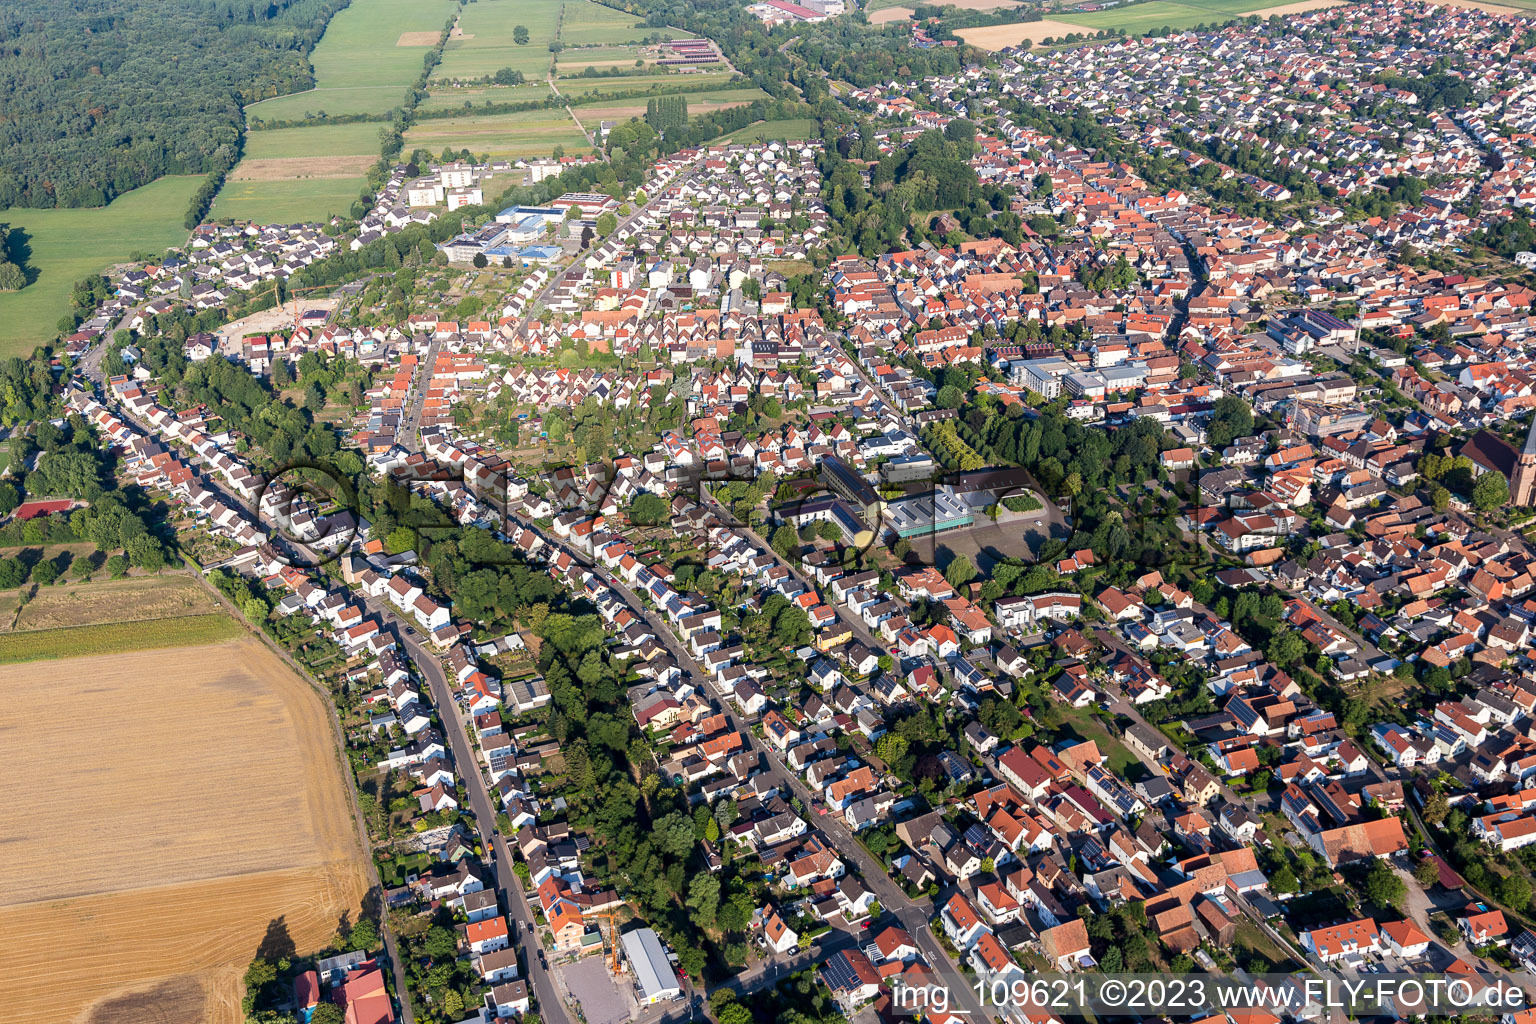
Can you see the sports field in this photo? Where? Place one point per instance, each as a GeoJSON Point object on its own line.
{"type": "Point", "coordinates": [70, 244]}
{"type": "Point", "coordinates": [487, 43]}
{"type": "Point", "coordinates": [360, 66]}
{"type": "Point", "coordinates": [180, 807]}
{"type": "Point", "coordinates": [526, 133]}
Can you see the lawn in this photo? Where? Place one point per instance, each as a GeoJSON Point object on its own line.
{"type": "Point", "coordinates": [113, 637]}
{"type": "Point", "coordinates": [526, 133]}
{"type": "Point", "coordinates": [794, 129]}
{"type": "Point", "coordinates": [486, 45]}
{"type": "Point", "coordinates": [359, 66]}
{"type": "Point", "coordinates": [1117, 758]}
{"type": "Point", "coordinates": [1250, 937]}
{"type": "Point", "coordinates": [70, 244]}
{"type": "Point", "coordinates": [291, 201]}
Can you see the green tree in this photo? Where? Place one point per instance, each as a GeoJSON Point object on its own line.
{"type": "Point", "coordinates": [1490, 492]}
{"type": "Point", "coordinates": [784, 541]}
{"type": "Point", "coordinates": [960, 572]}
{"type": "Point", "coordinates": [520, 35]}
{"type": "Point", "coordinates": [330, 1013]}
{"type": "Point", "coordinates": [648, 510]}
{"type": "Point", "coordinates": [607, 224]}
{"type": "Point", "coordinates": [1515, 891]}
{"type": "Point", "coordinates": [1384, 888]}
{"type": "Point", "coordinates": [364, 936]}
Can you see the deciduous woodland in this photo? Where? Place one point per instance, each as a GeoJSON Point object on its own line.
{"type": "Point", "coordinates": [101, 96]}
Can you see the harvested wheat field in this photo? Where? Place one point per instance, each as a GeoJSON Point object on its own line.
{"type": "Point", "coordinates": [183, 806]}
{"type": "Point", "coordinates": [1488, 8]}
{"type": "Point", "coordinates": [996, 37]}
{"type": "Point", "coordinates": [1297, 8]}
{"type": "Point", "coordinates": [288, 168]}
{"type": "Point", "coordinates": [418, 38]}
{"type": "Point", "coordinates": [886, 15]}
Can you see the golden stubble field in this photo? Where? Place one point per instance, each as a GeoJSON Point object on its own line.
{"type": "Point", "coordinates": [168, 810]}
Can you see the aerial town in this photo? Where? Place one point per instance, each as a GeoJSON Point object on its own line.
{"type": "Point", "coordinates": [1069, 511]}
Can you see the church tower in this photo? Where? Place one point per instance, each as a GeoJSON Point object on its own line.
{"type": "Point", "coordinates": [1522, 490]}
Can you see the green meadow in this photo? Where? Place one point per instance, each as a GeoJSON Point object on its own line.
{"type": "Point", "coordinates": [526, 133]}
{"type": "Point", "coordinates": [359, 66]}
{"type": "Point", "coordinates": [487, 45]}
{"type": "Point", "coordinates": [70, 244]}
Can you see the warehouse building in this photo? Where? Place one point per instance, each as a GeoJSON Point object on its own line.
{"type": "Point", "coordinates": [654, 975]}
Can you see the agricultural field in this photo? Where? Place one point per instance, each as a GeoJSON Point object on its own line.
{"type": "Point", "coordinates": [792, 130]}
{"type": "Point", "coordinates": [575, 61]}
{"type": "Point", "coordinates": [585, 23]}
{"type": "Point", "coordinates": [206, 810]}
{"type": "Point", "coordinates": [447, 97]}
{"type": "Point", "coordinates": [129, 600]}
{"type": "Point", "coordinates": [67, 245]}
{"type": "Point", "coordinates": [370, 54]}
{"type": "Point", "coordinates": [1184, 14]}
{"type": "Point", "coordinates": [64, 621]}
{"type": "Point", "coordinates": [662, 81]}
{"type": "Point", "coordinates": [1134, 19]}
{"type": "Point", "coordinates": [299, 174]}
{"type": "Point", "coordinates": [293, 201]}
{"type": "Point", "coordinates": [698, 103]}
{"type": "Point", "coordinates": [486, 44]}
{"type": "Point", "coordinates": [526, 133]}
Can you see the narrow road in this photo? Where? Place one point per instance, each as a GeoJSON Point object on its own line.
{"type": "Point", "coordinates": [468, 767]}
{"type": "Point", "coordinates": [409, 433]}
{"type": "Point", "coordinates": [556, 272]}
{"type": "Point", "coordinates": [914, 916]}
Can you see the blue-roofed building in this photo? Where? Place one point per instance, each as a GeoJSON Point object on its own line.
{"type": "Point", "coordinates": [540, 254]}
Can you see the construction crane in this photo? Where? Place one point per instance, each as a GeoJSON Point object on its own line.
{"type": "Point", "coordinates": [613, 937]}
{"type": "Point", "coordinates": [293, 296]}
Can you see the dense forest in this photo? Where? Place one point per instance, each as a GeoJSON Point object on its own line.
{"type": "Point", "coordinates": [98, 97]}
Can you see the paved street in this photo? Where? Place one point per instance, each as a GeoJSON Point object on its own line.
{"type": "Point", "coordinates": [914, 917]}
{"type": "Point", "coordinates": [409, 432]}
{"type": "Point", "coordinates": [391, 948]}
{"type": "Point", "coordinates": [468, 767]}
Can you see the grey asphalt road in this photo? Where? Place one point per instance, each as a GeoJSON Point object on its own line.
{"type": "Point", "coordinates": [508, 886]}
{"type": "Point", "coordinates": [914, 916]}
